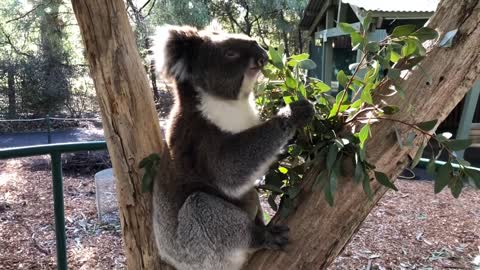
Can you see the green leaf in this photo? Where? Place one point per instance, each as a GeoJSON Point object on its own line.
{"type": "Point", "coordinates": [394, 56]}
{"type": "Point", "coordinates": [307, 64]}
{"type": "Point", "coordinates": [321, 177]}
{"type": "Point", "coordinates": [150, 160]}
{"type": "Point", "coordinates": [275, 57]}
{"type": "Point", "coordinates": [287, 99]}
{"type": "Point", "coordinates": [409, 48]}
{"type": "Point", "coordinates": [294, 191]}
{"type": "Point", "coordinates": [456, 186]}
{"type": "Point", "coordinates": [443, 177]}
{"type": "Point", "coordinates": [403, 30]}
{"type": "Point", "coordinates": [357, 41]}
{"type": "Point", "coordinates": [274, 178]}
{"type": "Point", "coordinates": [147, 180]}
{"type": "Point", "coordinates": [300, 57]}
{"type": "Point", "coordinates": [383, 179]}
{"type": "Point", "coordinates": [366, 186]}
{"type": "Point", "coordinates": [327, 190]}
{"type": "Point", "coordinates": [425, 33]}
{"type": "Point", "coordinates": [347, 28]}
{"type": "Point", "coordinates": [342, 78]}
{"type": "Point", "coordinates": [372, 46]}
{"type": "Point", "coordinates": [291, 83]}
{"type": "Point", "coordinates": [474, 175]}
{"type": "Point", "coordinates": [295, 150]}
{"type": "Point", "coordinates": [417, 157]}
{"type": "Point", "coordinates": [319, 86]}
{"type": "Point", "coordinates": [432, 167]}
{"type": "Point", "coordinates": [363, 135]}
{"type": "Point", "coordinates": [366, 95]}
{"type": "Point", "coordinates": [359, 172]}
{"type": "Point", "coordinates": [282, 169]}
{"type": "Point", "coordinates": [366, 21]}
{"type": "Point", "coordinates": [332, 155]}
{"type": "Point", "coordinates": [456, 145]}
{"type": "Point", "coordinates": [390, 109]}
{"type": "Point", "coordinates": [428, 125]}
{"type": "Point", "coordinates": [393, 73]}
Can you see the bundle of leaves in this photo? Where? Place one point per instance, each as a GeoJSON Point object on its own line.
{"type": "Point", "coordinates": [342, 124]}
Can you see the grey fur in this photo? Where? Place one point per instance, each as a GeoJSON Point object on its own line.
{"type": "Point", "coordinates": [210, 218]}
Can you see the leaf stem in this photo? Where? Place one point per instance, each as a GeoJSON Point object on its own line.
{"type": "Point", "coordinates": [357, 68]}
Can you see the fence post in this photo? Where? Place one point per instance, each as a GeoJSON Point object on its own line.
{"type": "Point", "coordinates": [49, 135]}
{"type": "Point", "coordinates": [59, 210]}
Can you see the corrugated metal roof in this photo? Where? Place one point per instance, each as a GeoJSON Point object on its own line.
{"type": "Point", "coordinates": [395, 6]}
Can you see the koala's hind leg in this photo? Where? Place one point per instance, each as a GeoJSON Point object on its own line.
{"type": "Point", "coordinates": [216, 234]}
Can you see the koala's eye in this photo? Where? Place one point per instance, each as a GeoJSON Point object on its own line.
{"type": "Point", "coordinates": [231, 54]}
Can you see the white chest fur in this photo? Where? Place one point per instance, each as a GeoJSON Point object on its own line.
{"type": "Point", "coordinates": [229, 115]}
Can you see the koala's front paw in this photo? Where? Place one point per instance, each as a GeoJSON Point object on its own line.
{"type": "Point", "coordinates": [276, 237]}
{"type": "Point", "coordinates": [299, 113]}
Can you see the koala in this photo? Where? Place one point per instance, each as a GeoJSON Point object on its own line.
{"type": "Point", "coordinates": [210, 217]}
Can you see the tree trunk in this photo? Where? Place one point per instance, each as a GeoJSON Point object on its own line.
{"type": "Point", "coordinates": [12, 105]}
{"type": "Point", "coordinates": [319, 232]}
{"type": "Point", "coordinates": [129, 119]}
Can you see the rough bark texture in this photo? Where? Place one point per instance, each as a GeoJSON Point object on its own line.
{"type": "Point", "coordinates": [319, 232]}
{"type": "Point", "coordinates": [129, 118]}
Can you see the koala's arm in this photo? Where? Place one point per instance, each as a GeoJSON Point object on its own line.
{"type": "Point", "coordinates": [246, 156]}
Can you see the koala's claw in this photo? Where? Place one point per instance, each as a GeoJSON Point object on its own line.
{"type": "Point", "coordinates": [276, 237]}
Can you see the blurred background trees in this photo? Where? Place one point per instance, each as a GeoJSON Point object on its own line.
{"type": "Point", "coordinates": [42, 66]}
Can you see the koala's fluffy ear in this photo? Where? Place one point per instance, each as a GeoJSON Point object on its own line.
{"type": "Point", "coordinates": [214, 26]}
{"type": "Point", "coordinates": [173, 50]}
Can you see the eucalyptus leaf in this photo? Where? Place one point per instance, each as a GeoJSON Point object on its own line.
{"type": "Point", "coordinates": [307, 64]}
{"type": "Point", "coordinates": [474, 174]}
{"type": "Point", "coordinates": [428, 125]}
{"type": "Point", "coordinates": [332, 155]}
{"type": "Point", "coordinates": [366, 186]}
{"type": "Point", "coordinates": [403, 30]}
{"type": "Point", "coordinates": [383, 179]}
{"type": "Point", "coordinates": [443, 177]}
{"type": "Point", "coordinates": [425, 33]}
{"type": "Point", "coordinates": [417, 157]}
{"type": "Point", "coordinates": [347, 28]}
{"type": "Point", "coordinates": [456, 145]}
{"type": "Point", "coordinates": [342, 78]}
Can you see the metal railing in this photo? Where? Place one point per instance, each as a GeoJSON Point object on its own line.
{"type": "Point", "coordinates": [55, 151]}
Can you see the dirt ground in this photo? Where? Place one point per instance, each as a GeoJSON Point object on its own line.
{"type": "Point", "coordinates": [409, 229]}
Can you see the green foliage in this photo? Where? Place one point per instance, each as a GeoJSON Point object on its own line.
{"type": "Point", "coordinates": [149, 164]}
{"type": "Point", "coordinates": [338, 135]}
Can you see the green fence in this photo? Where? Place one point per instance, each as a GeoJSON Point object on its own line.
{"type": "Point", "coordinates": [55, 151]}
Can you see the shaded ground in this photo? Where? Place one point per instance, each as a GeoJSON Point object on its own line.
{"type": "Point", "coordinates": [410, 229]}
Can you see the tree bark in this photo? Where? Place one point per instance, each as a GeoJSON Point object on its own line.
{"type": "Point", "coordinates": [319, 232]}
{"type": "Point", "coordinates": [129, 119]}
